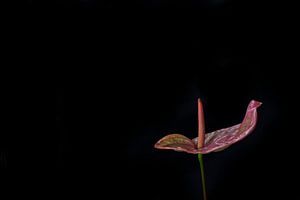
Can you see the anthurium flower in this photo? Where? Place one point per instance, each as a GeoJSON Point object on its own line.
{"type": "Point", "coordinates": [214, 141]}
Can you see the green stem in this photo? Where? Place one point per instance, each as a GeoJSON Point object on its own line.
{"type": "Point", "coordinates": [202, 175]}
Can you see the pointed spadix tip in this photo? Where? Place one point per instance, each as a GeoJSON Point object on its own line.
{"type": "Point", "coordinates": [199, 101]}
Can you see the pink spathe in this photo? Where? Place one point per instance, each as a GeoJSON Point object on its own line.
{"type": "Point", "coordinates": [214, 141]}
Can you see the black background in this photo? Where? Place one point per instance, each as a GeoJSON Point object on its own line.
{"type": "Point", "coordinates": [129, 72]}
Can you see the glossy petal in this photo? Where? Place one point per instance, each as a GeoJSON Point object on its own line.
{"type": "Point", "coordinates": [223, 138]}
{"type": "Point", "coordinates": [218, 140]}
{"type": "Point", "coordinates": [176, 142]}
{"type": "Point", "coordinates": [214, 141]}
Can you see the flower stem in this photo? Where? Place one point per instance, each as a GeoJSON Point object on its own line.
{"type": "Point", "coordinates": [202, 175]}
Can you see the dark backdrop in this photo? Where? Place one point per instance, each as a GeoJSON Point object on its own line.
{"type": "Point", "coordinates": [130, 72]}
